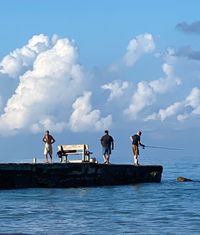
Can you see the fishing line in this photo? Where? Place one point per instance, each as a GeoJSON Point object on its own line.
{"type": "Point", "coordinates": [159, 147]}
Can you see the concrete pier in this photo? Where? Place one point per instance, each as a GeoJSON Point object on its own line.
{"type": "Point", "coordinates": [64, 175]}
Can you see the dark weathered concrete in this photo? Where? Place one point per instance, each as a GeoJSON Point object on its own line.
{"type": "Point", "coordinates": [63, 175]}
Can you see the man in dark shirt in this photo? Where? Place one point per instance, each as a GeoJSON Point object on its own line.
{"type": "Point", "coordinates": [135, 146]}
{"type": "Point", "coordinates": [107, 143]}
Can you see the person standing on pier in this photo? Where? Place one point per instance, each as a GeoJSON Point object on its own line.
{"type": "Point", "coordinates": [48, 150]}
{"type": "Point", "coordinates": [107, 143]}
{"type": "Point", "coordinates": [135, 139]}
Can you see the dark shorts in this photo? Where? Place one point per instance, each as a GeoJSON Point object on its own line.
{"type": "Point", "coordinates": [106, 150]}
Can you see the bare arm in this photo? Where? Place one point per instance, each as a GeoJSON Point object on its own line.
{"type": "Point", "coordinates": [52, 140]}
{"type": "Point", "coordinates": [141, 144]}
{"type": "Point", "coordinates": [44, 139]}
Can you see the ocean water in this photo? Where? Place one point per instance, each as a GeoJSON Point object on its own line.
{"type": "Point", "coordinates": [168, 207]}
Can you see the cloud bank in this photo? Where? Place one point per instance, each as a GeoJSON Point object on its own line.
{"type": "Point", "coordinates": [46, 92]}
{"type": "Point", "coordinates": [54, 91]}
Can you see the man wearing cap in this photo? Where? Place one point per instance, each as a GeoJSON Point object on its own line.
{"type": "Point", "coordinates": [107, 143]}
{"type": "Point", "coordinates": [135, 139]}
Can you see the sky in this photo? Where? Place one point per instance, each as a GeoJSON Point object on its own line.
{"type": "Point", "coordinates": [76, 68]}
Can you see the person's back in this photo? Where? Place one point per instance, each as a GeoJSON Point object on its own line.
{"type": "Point", "coordinates": [106, 140]}
{"type": "Point", "coordinates": [135, 139]}
{"type": "Point", "coordinates": [107, 143]}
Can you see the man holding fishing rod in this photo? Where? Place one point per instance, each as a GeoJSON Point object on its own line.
{"type": "Point", "coordinates": [135, 139]}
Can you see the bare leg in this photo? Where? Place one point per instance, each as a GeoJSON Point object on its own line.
{"type": "Point", "coordinates": [51, 158]}
{"type": "Point", "coordinates": [46, 156]}
{"type": "Point", "coordinates": [135, 154]}
{"type": "Point", "coordinates": [105, 158]}
{"type": "Point", "coordinates": [108, 158]}
{"type": "Point", "coordinates": [136, 162]}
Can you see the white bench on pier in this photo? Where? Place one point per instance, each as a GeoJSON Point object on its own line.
{"type": "Point", "coordinates": [74, 149]}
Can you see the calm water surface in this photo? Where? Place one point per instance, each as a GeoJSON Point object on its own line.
{"type": "Point", "coordinates": [166, 208]}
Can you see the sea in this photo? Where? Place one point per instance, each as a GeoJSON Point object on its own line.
{"type": "Point", "coordinates": [169, 207]}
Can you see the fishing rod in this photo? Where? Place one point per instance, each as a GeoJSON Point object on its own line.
{"type": "Point", "coordinates": [159, 147]}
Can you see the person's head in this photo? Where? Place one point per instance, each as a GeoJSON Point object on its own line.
{"type": "Point", "coordinates": [47, 132]}
{"type": "Point", "coordinates": [106, 132]}
{"type": "Point", "coordinates": [139, 133]}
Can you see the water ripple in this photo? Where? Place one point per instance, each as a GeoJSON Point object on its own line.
{"type": "Point", "coordinates": [168, 208]}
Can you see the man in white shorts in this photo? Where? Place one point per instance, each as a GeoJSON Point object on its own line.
{"type": "Point", "coordinates": [48, 150]}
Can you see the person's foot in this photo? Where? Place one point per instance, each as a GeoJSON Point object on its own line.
{"type": "Point", "coordinates": [136, 164]}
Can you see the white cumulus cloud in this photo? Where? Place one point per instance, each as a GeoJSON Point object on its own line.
{"type": "Point", "coordinates": [116, 88]}
{"type": "Point", "coordinates": [182, 110]}
{"type": "Point", "coordinates": [147, 92]}
{"type": "Point", "coordinates": [48, 123]}
{"type": "Point", "coordinates": [21, 58]}
{"type": "Point", "coordinates": [84, 118]}
{"type": "Point", "coordinates": [138, 46]}
{"type": "Point", "coordinates": [144, 96]}
{"type": "Point", "coordinates": [165, 113]}
{"type": "Point", "coordinates": [193, 100]}
{"type": "Point", "coordinates": [166, 83]}
{"type": "Point", "coordinates": [45, 94]}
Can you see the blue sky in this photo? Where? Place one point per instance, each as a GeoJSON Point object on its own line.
{"type": "Point", "coordinates": [79, 67]}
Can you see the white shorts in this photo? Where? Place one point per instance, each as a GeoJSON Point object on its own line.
{"type": "Point", "coordinates": [48, 149]}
